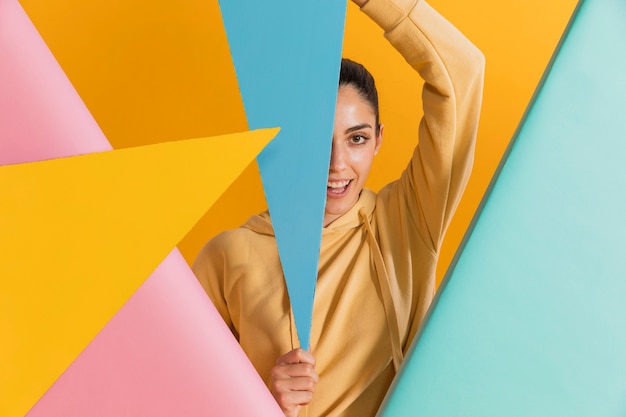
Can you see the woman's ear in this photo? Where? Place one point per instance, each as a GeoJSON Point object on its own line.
{"type": "Point", "coordinates": [379, 138]}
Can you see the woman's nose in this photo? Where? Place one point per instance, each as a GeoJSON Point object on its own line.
{"type": "Point", "coordinates": [337, 158]}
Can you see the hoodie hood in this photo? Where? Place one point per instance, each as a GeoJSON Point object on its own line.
{"type": "Point", "coordinates": [260, 223]}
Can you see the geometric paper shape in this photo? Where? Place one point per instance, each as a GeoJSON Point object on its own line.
{"type": "Point", "coordinates": [80, 234]}
{"type": "Point", "coordinates": [531, 318]}
{"type": "Point", "coordinates": [41, 115]}
{"type": "Point", "coordinates": [151, 77]}
{"type": "Point", "coordinates": [145, 76]}
{"type": "Point", "coordinates": [167, 352]}
{"type": "Point", "coordinates": [287, 56]}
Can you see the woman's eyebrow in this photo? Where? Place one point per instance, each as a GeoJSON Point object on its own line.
{"type": "Point", "coordinates": [358, 127]}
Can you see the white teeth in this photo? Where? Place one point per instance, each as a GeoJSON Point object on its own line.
{"type": "Point", "coordinates": [338, 184]}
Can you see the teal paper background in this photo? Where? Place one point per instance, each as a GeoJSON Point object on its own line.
{"type": "Point", "coordinates": [532, 318]}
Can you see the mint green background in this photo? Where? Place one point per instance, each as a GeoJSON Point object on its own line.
{"type": "Point", "coordinates": [532, 319]}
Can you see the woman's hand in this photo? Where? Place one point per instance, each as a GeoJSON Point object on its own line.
{"type": "Point", "coordinates": [293, 381]}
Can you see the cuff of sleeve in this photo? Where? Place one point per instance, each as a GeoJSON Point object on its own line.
{"type": "Point", "coordinates": [388, 13]}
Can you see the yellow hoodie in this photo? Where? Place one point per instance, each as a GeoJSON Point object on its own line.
{"type": "Point", "coordinates": [376, 276]}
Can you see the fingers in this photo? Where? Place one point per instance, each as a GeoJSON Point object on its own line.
{"type": "Point", "coordinates": [293, 380]}
{"type": "Point", "coordinates": [295, 371]}
{"type": "Point", "coordinates": [294, 377]}
{"type": "Point", "coordinates": [296, 356]}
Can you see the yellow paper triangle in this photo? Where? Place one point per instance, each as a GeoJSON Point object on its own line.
{"type": "Point", "coordinates": [79, 235]}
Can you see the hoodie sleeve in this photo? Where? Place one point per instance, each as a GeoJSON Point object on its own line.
{"type": "Point", "coordinates": [452, 69]}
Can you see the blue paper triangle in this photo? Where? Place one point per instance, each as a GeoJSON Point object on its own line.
{"type": "Point", "coordinates": [287, 56]}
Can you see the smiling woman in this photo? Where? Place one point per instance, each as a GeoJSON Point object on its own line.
{"type": "Point", "coordinates": [378, 257]}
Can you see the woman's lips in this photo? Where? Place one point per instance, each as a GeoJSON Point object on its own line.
{"type": "Point", "coordinates": [338, 188]}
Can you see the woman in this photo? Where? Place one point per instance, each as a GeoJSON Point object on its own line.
{"type": "Point", "coordinates": [379, 252]}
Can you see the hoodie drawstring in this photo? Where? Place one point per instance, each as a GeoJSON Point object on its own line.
{"type": "Point", "coordinates": [385, 290]}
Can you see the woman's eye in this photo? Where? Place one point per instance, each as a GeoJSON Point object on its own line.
{"type": "Point", "coordinates": [358, 139]}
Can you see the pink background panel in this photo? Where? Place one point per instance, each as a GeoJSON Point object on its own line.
{"type": "Point", "coordinates": [41, 115]}
{"type": "Point", "coordinates": [167, 352]}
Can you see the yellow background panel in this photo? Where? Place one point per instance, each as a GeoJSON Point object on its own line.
{"type": "Point", "coordinates": [79, 235]}
{"type": "Point", "coordinates": [160, 70]}
{"type": "Point", "coordinates": [149, 71]}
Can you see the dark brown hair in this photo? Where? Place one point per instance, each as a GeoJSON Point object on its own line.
{"type": "Point", "coordinates": [356, 75]}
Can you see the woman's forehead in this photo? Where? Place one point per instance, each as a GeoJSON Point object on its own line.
{"type": "Point", "coordinates": [348, 95]}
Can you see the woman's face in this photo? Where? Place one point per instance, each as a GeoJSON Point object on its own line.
{"type": "Point", "coordinates": [354, 145]}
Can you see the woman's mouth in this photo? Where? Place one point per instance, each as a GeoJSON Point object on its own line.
{"type": "Point", "coordinates": [337, 188]}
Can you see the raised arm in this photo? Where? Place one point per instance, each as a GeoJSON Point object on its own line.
{"type": "Point", "coordinates": [452, 69]}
